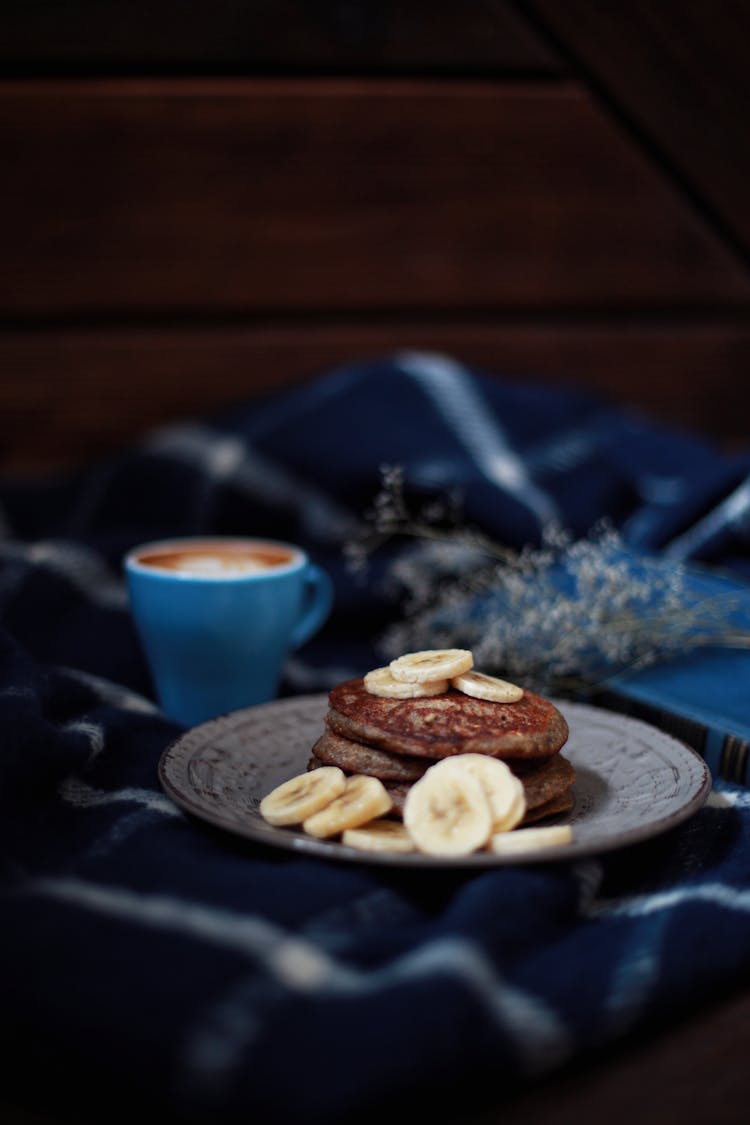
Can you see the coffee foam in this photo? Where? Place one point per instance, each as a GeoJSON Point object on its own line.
{"type": "Point", "coordinates": [214, 566]}
{"type": "Point", "coordinates": [215, 559]}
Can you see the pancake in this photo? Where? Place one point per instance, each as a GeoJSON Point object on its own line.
{"type": "Point", "coordinates": [554, 807]}
{"type": "Point", "coordinates": [546, 781]}
{"type": "Point", "coordinates": [542, 778]}
{"type": "Point", "coordinates": [354, 757]}
{"type": "Point", "coordinates": [451, 723]}
{"type": "Point", "coordinates": [545, 784]}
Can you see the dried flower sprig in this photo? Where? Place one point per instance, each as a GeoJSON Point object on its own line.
{"type": "Point", "coordinates": [567, 614]}
{"type": "Point", "coordinates": [438, 521]}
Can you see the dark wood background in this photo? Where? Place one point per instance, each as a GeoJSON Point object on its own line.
{"type": "Point", "coordinates": [202, 201]}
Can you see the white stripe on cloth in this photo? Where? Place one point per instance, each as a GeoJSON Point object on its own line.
{"type": "Point", "coordinates": [728, 799]}
{"type": "Point", "coordinates": [132, 821]}
{"type": "Point", "coordinates": [218, 455]}
{"type": "Point", "coordinates": [563, 452]}
{"type": "Point", "coordinates": [589, 873]}
{"type": "Point", "coordinates": [635, 976]}
{"type": "Point", "coordinates": [94, 732]}
{"type": "Point", "coordinates": [114, 694]}
{"type": "Point", "coordinates": [18, 691]}
{"type": "Point", "coordinates": [223, 458]}
{"type": "Point", "coordinates": [536, 1031]}
{"type": "Point", "coordinates": [82, 568]}
{"type": "Point", "coordinates": [74, 791]}
{"type": "Point", "coordinates": [733, 512]}
{"type": "Point", "coordinates": [461, 405]}
{"type": "Point", "coordinates": [725, 897]}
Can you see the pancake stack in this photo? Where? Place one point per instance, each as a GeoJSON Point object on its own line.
{"type": "Point", "coordinates": [395, 729]}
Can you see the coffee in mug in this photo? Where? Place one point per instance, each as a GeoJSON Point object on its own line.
{"type": "Point", "coordinates": [218, 616]}
{"type": "Point", "coordinates": [212, 558]}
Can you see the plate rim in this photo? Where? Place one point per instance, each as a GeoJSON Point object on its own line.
{"type": "Point", "coordinates": [306, 846]}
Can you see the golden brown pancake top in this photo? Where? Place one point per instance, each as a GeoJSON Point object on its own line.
{"type": "Point", "coordinates": [452, 723]}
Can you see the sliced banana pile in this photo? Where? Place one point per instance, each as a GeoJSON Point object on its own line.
{"type": "Point", "coordinates": [460, 805]}
{"type": "Point", "coordinates": [325, 802]}
{"type": "Point", "coordinates": [417, 675]}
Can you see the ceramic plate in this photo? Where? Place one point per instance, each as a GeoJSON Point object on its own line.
{"type": "Point", "coordinates": [632, 780]}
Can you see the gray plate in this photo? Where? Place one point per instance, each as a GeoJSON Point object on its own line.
{"type": "Point", "coordinates": [633, 781]}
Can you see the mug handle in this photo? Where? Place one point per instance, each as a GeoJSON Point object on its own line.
{"type": "Point", "coordinates": [318, 599]}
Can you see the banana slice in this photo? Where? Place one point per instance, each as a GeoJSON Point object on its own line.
{"type": "Point", "coordinates": [363, 799]}
{"type": "Point", "coordinates": [515, 813]}
{"type": "Point", "coordinates": [481, 686]}
{"type": "Point", "coordinates": [379, 836]}
{"type": "Point", "coordinates": [530, 839]}
{"type": "Point", "coordinates": [302, 796]}
{"type": "Point", "coordinates": [446, 812]}
{"type": "Point", "coordinates": [502, 789]}
{"type": "Point", "coordinates": [381, 682]}
{"type": "Point", "coordinates": [432, 664]}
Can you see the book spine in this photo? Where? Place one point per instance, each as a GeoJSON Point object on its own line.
{"type": "Point", "coordinates": [726, 755]}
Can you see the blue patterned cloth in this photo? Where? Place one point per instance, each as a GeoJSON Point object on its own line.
{"type": "Point", "coordinates": [159, 963]}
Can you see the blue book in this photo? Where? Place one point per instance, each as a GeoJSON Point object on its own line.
{"type": "Point", "coordinates": [702, 697]}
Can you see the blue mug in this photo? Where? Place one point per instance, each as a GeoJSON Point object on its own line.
{"type": "Point", "coordinates": [217, 617]}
